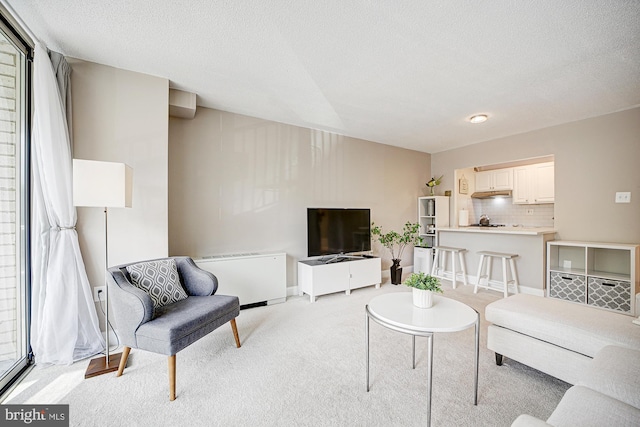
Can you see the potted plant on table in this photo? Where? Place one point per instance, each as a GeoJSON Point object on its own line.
{"type": "Point", "coordinates": [423, 286]}
{"type": "Point", "coordinates": [396, 243]}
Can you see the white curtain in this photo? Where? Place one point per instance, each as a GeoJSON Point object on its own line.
{"type": "Point", "coordinates": [64, 324]}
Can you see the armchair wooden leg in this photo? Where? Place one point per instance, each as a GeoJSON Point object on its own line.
{"type": "Point", "coordinates": [235, 332]}
{"type": "Point", "coordinates": [172, 377]}
{"type": "Point", "coordinates": [123, 360]}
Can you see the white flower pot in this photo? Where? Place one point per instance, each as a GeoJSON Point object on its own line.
{"type": "Point", "coordinates": [422, 299]}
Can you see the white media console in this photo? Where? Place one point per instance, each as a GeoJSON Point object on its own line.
{"type": "Point", "coordinates": [254, 278]}
{"type": "Point", "coordinates": [317, 277]}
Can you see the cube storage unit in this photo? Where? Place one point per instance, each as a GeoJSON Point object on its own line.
{"type": "Point", "coordinates": [603, 275]}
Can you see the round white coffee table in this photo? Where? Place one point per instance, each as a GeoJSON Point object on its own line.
{"type": "Point", "coordinates": [396, 311]}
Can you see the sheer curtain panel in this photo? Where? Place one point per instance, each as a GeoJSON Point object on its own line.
{"type": "Point", "coordinates": [64, 324]}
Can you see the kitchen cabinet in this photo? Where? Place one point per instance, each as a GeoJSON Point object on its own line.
{"type": "Point", "coordinates": [433, 213]}
{"type": "Point", "coordinates": [603, 275]}
{"type": "Point", "coordinates": [534, 184]}
{"type": "Point", "coordinates": [493, 180]}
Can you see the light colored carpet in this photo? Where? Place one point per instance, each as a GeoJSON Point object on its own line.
{"type": "Point", "coordinates": [303, 364]}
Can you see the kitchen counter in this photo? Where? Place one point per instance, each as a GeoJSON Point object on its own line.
{"type": "Point", "coordinates": [526, 231]}
{"type": "Point", "coordinates": [530, 243]}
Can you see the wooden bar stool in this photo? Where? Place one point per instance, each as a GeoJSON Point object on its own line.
{"type": "Point", "coordinates": [484, 271]}
{"type": "Point", "coordinates": [439, 271]}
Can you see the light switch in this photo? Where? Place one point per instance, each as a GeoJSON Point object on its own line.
{"type": "Point", "coordinates": [623, 197]}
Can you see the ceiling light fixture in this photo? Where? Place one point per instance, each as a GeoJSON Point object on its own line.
{"type": "Point", "coordinates": [478, 118]}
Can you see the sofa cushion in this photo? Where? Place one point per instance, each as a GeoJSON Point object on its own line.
{"type": "Point", "coordinates": [184, 322]}
{"type": "Point", "coordinates": [577, 327]}
{"type": "Point", "coordinates": [581, 406]}
{"type": "Point", "coordinates": [159, 279]}
{"type": "Point", "coordinates": [615, 371]}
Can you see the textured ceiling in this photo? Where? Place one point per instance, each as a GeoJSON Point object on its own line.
{"type": "Point", "coordinates": [404, 73]}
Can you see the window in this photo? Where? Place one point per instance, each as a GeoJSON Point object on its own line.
{"type": "Point", "coordinates": [15, 96]}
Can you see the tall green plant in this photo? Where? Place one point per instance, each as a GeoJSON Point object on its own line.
{"type": "Point", "coordinates": [396, 242]}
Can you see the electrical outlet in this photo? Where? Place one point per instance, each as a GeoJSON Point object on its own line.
{"type": "Point", "coordinates": [529, 211]}
{"type": "Point", "coordinates": [623, 197]}
{"type": "Point", "coordinates": [99, 290]}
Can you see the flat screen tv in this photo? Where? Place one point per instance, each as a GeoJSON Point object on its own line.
{"type": "Point", "coordinates": [338, 231]}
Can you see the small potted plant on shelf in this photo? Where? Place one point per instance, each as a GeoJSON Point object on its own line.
{"type": "Point", "coordinates": [432, 183]}
{"type": "Point", "coordinates": [396, 243]}
{"type": "Point", "coordinates": [423, 286]}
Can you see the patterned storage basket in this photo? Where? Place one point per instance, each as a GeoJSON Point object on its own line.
{"type": "Point", "coordinates": [569, 287]}
{"type": "Point", "coordinates": [612, 294]}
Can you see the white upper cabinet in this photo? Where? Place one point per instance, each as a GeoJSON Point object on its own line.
{"type": "Point", "coordinates": [521, 185]}
{"type": "Point", "coordinates": [493, 180]}
{"type": "Point", "coordinates": [544, 183]}
{"type": "Point", "coordinates": [534, 184]}
{"type": "Point", "coordinates": [503, 179]}
{"type": "Point", "coordinates": [484, 180]}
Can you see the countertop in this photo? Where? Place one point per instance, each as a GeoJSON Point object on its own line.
{"type": "Point", "coordinates": [527, 231]}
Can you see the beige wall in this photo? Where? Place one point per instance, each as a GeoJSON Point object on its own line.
{"type": "Point", "coordinates": [122, 116]}
{"type": "Point", "coordinates": [594, 159]}
{"type": "Point", "coordinates": [239, 184]}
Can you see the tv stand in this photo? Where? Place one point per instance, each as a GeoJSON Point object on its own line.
{"type": "Point", "coordinates": [341, 273]}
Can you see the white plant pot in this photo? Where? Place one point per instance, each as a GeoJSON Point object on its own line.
{"type": "Point", "coordinates": [422, 299]}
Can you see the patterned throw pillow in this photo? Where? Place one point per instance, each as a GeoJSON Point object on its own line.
{"type": "Point", "coordinates": [159, 279]}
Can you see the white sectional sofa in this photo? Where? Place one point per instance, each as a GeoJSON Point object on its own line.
{"type": "Point", "coordinates": [596, 350]}
{"type": "Point", "coordinates": [557, 337]}
{"type": "Point", "coordinates": [608, 394]}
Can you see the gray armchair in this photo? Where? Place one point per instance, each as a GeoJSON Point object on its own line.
{"type": "Point", "coordinates": [170, 328]}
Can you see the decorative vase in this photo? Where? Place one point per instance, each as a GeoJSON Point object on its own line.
{"type": "Point", "coordinates": [422, 298]}
{"type": "Point", "coordinates": [396, 272]}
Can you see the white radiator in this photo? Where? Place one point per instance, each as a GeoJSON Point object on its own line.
{"type": "Point", "coordinates": [254, 278]}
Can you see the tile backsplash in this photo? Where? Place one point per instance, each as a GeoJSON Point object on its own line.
{"type": "Point", "coordinates": [503, 211]}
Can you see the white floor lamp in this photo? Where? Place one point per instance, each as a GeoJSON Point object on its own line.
{"type": "Point", "coordinates": [105, 185]}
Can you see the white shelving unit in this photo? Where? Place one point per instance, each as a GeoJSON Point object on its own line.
{"type": "Point", "coordinates": [604, 275]}
{"type": "Point", "coordinates": [433, 213]}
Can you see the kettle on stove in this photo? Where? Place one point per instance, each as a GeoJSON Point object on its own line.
{"type": "Point", "coordinates": [484, 220]}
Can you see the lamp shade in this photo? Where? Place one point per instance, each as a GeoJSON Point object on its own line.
{"type": "Point", "coordinates": [102, 184]}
